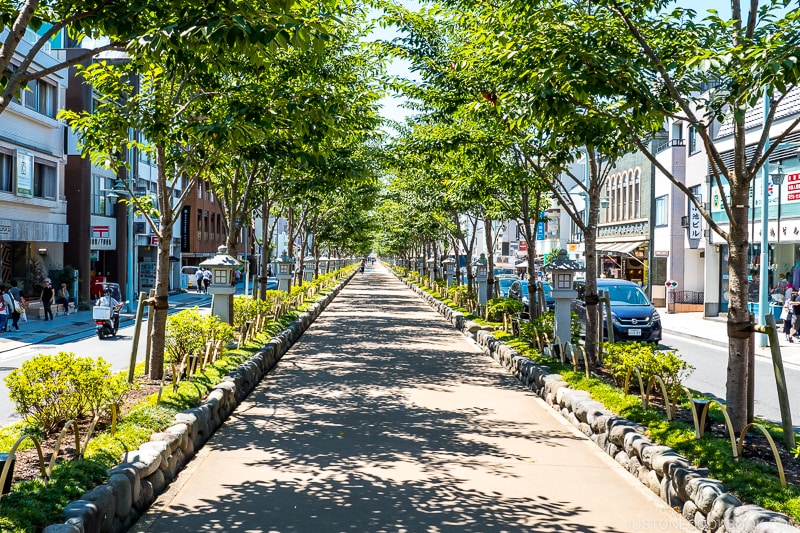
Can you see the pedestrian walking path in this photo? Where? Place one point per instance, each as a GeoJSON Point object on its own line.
{"type": "Point", "coordinates": [384, 418]}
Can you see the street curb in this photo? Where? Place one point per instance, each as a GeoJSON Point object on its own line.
{"type": "Point", "coordinates": [700, 338]}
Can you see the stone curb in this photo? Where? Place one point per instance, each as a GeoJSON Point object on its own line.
{"type": "Point", "coordinates": [143, 474]}
{"type": "Point", "coordinates": [702, 501]}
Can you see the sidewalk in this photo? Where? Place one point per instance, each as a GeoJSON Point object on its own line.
{"type": "Point", "coordinates": [78, 324]}
{"type": "Point", "coordinates": [714, 330]}
{"type": "Point", "coordinates": [383, 417]}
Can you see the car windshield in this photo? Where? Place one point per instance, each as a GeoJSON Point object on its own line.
{"type": "Point", "coordinates": [626, 295]}
{"type": "Point", "coordinates": [505, 282]}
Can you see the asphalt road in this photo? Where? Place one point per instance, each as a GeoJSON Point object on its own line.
{"type": "Point", "coordinates": [710, 364]}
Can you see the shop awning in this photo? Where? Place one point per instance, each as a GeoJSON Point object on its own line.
{"type": "Point", "coordinates": [619, 247]}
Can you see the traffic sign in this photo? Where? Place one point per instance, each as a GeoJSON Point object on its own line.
{"type": "Point", "coordinates": [671, 284]}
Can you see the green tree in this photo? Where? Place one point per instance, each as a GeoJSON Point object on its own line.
{"type": "Point", "coordinates": [168, 92]}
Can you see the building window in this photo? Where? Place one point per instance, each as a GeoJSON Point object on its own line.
{"type": "Point", "coordinates": [6, 172]}
{"type": "Point", "coordinates": [661, 211]}
{"type": "Point", "coordinates": [692, 140]}
{"type": "Point", "coordinates": [101, 205]}
{"type": "Point", "coordinates": [44, 181]}
{"type": "Point", "coordinates": [40, 96]}
{"type": "Point", "coordinates": [637, 210]}
{"type": "Point", "coordinates": [199, 224]}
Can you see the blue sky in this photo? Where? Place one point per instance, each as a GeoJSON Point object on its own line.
{"type": "Point", "coordinates": [392, 106]}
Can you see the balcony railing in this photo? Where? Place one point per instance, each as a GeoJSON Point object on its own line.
{"type": "Point", "coordinates": [671, 144]}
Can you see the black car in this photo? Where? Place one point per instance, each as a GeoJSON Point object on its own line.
{"type": "Point", "coordinates": [633, 317]}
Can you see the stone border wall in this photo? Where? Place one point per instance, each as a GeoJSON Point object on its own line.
{"type": "Point", "coordinates": [144, 473]}
{"type": "Point", "coordinates": [701, 500]}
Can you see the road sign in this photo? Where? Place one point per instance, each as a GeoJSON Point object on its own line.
{"type": "Point", "coordinates": [671, 284]}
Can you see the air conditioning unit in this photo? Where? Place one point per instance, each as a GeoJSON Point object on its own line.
{"type": "Point", "coordinates": [685, 222]}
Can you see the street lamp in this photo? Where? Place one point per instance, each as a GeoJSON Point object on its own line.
{"type": "Point", "coordinates": [777, 179]}
{"type": "Point", "coordinates": [481, 274]}
{"type": "Point", "coordinates": [119, 191]}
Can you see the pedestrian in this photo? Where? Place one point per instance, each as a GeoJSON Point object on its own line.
{"type": "Point", "coordinates": [62, 298]}
{"type": "Point", "coordinates": [779, 289]}
{"type": "Point", "coordinates": [47, 299]}
{"type": "Point", "coordinates": [794, 302]}
{"type": "Point", "coordinates": [198, 276]}
{"type": "Point", "coordinates": [19, 304]}
{"type": "Point", "coordinates": [4, 310]}
{"type": "Point", "coordinates": [237, 275]}
{"type": "Point", "coordinates": [787, 312]}
{"type": "Point", "coordinates": [206, 280]}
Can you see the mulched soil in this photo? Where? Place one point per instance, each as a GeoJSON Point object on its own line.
{"type": "Point", "coordinates": [27, 462]}
{"type": "Point", "coordinates": [756, 446]}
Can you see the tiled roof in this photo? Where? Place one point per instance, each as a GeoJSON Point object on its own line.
{"type": "Point", "coordinates": [754, 117]}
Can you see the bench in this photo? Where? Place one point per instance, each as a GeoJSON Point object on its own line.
{"type": "Point", "coordinates": [34, 308]}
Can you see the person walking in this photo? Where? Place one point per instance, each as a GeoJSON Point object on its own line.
{"type": "Point", "coordinates": [198, 277]}
{"type": "Point", "coordinates": [4, 310]}
{"type": "Point", "coordinates": [18, 303]}
{"type": "Point", "coordinates": [47, 299]}
{"type": "Point", "coordinates": [206, 280]}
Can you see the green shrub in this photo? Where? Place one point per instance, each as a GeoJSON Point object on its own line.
{"type": "Point", "coordinates": [546, 323]}
{"type": "Point", "coordinates": [51, 389]}
{"type": "Point", "coordinates": [188, 332]}
{"type": "Point", "coordinates": [497, 307]}
{"type": "Point", "coordinates": [622, 357]}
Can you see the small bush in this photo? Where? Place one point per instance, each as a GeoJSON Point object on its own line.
{"type": "Point", "coordinates": [622, 357]}
{"type": "Point", "coordinates": [546, 323]}
{"type": "Point", "coordinates": [51, 389]}
{"type": "Point", "coordinates": [497, 307]}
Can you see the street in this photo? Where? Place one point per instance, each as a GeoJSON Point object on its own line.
{"type": "Point", "coordinates": [83, 341]}
{"type": "Point", "coordinates": [710, 364]}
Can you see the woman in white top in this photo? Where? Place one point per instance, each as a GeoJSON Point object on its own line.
{"type": "Point", "coordinates": [5, 309]}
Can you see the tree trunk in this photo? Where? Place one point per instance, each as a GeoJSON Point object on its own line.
{"type": "Point", "coordinates": [738, 316]}
{"type": "Point", "coordinates": [491, 290]}
{"type": "Point", "coordinates": [166, 221]}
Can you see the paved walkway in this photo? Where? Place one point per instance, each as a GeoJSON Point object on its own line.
{"type": "Point", "coordinates": [384, 418]}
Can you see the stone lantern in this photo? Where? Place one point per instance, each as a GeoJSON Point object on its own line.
{"type": "Point", "coordinates": [223, 283]}
{"type": "Point", "coordinates": [563, 272]}
{"type": "Point", "coordinates": [309, 262]}
{"type": "Point", "coordinates": [324, 264]}
{"type": "Point", "coordinates": [284, 273]}
{"type": "Point", "coordinates": [421, 266]}
{"type": "Point", "coordinates": [481, 275]}
{"type": "Point", "coordinates": [449, 265]}
{"type": "Point", "coordinates": [431, 262]}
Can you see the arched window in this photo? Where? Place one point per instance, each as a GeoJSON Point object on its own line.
{"type": "Point", "coordinates": [637, 207]}
{"type": "Point", "coordinates": [625, 198]}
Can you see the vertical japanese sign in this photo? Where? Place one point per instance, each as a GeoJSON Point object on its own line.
{"type": "Point", "coordinates": [540, 228]}
{"type": "Point", "coordinates": [695, 222]}
{"type": "Point", "coordinates": [185, 228]}
{"type": "Point", "coordinates": [24, 173]}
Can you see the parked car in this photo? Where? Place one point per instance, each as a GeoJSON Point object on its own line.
{"type": "Point", "coordinates": [519, 291]}
{"type": "Point", "coordinates": [549, 300]}
{"type": "Point", "coordinates": [504, 283]}
{"type": "Point", "coordinates": [633, 317]}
